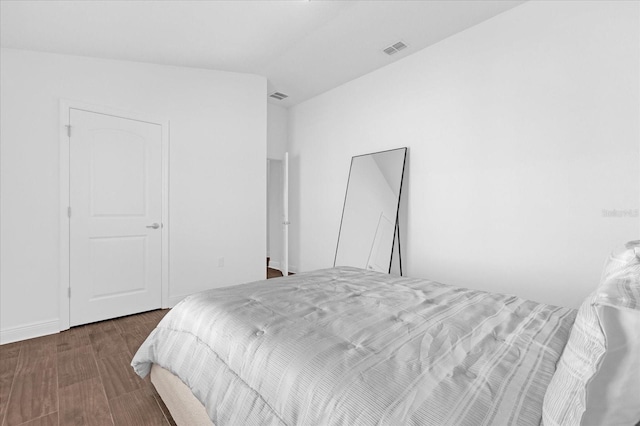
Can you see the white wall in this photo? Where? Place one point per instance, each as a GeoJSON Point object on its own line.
{"type": "Point", "coordinates": [217, 172]}
{"type": "Point", "coordinates": [520, 130]}
{"type": "Point", "coordinates": [277, 123]}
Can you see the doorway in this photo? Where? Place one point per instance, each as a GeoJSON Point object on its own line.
{"type": "Point", "coordinates": [277, 217]}
{"type": "Point", "coordinates": [116, 215]}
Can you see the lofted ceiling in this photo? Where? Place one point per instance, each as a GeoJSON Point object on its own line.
{"type": "Point", "coordinates": [302, 47]}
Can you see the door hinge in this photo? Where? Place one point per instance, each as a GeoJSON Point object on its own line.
{"type": "Point", "coordinates": [69, 211]}
{"type": "Point", "coordinates": [68, 126]}
{"type": "Point", "coordinates": [69, 292]}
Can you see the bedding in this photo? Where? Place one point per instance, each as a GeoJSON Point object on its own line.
{"type": "Point", "coordinates": [345, 346]}
{"type": "Point", "coordinates": [597, 381]}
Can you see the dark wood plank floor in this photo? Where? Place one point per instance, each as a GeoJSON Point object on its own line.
{"type": "Point", "coordinates": [81, 376]}
{"type": "Point", "coordinates": [275, 273]}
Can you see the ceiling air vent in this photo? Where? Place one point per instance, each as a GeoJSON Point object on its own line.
{"type": "Point", "coordinates": [395, 48]}
{"type": "Point", "coordinates": [279, 96]}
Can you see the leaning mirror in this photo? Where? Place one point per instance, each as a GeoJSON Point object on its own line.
{"type": "Point", "coordinates": [369, 225]}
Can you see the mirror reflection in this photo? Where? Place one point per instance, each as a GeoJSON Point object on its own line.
{"type": "Point", "coordinates": [369, 217]}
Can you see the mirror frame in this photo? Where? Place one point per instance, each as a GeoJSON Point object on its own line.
{"type": "Point", "coordinates": [396, 234]}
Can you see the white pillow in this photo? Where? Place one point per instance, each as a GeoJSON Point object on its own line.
{"type": "Point", "coordinates": [622, 262]}
{"type": "Point", "coordinates": [597, 380]}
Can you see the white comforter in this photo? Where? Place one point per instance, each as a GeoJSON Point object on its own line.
{"type": "Point", "coordinates": [346, 346]}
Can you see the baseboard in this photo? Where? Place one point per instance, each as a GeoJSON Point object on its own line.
{"type": "Point", "coordinates": [29, 331]}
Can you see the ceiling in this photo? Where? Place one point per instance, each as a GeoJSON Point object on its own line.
{"type": "Point", "coordinates": [303, 47]}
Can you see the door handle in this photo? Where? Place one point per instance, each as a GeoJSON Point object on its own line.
{"type": "Point", "coordinates": [154, 226]}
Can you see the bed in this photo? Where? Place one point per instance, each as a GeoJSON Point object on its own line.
{"type": "Point", "coordinates": [345, 346]}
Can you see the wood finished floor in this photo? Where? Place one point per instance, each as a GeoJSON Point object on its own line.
{"type": "Point", "coordinates": [81, 376]}
{"type": "Point", "coordinates": [275, 273]}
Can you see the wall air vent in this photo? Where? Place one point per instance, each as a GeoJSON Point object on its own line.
{"type": "Point", "coordinates": [394, 48]}
{"type": "Point", "coordinates": [279, 96]}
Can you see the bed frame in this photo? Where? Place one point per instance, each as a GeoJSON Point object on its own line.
{"type": "Point", "coordinates": [184, 407]}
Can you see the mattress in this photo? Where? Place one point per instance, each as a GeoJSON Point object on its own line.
{"type": "Point", "coordinates": [345, 346]}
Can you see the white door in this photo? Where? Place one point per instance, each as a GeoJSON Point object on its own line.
{"type": "Point", "coordinates": [285, 214]}
{"type": "Point", "coordinates": [115, 172]}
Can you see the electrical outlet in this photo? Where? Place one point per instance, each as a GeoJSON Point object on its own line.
{"type": "Point", "coordinates": [221, 262]}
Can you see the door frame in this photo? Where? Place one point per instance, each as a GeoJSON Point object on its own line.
{"type": "Point", "coordinates": [66, 106]}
